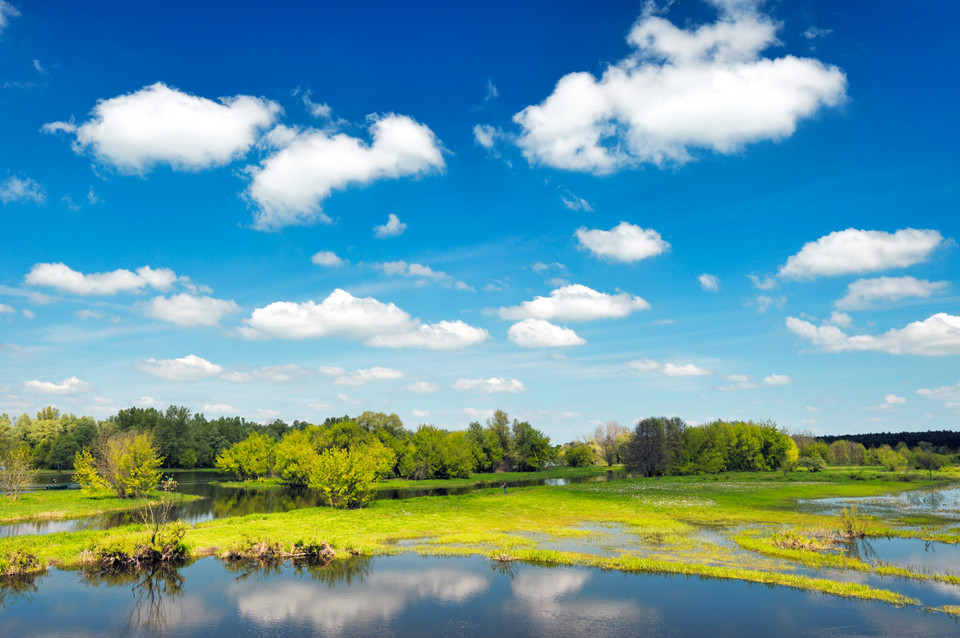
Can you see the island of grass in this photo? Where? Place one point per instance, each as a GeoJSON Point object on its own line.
{"type": "Point", "coordinates": [712, 526]}
{"type": "Point", "coordinates": [66, 504]}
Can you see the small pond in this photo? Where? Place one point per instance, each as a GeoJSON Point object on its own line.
{"type": "Point", "coordinates": [408, 595]}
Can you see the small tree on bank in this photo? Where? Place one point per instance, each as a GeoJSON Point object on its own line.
{"type": "Point", "coordinates": [126, 463]}
{"type": "Point", "coordinates": [16, 471]}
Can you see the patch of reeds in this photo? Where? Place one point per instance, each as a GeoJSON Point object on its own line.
{"type": "Point", "coordinates": [166, 547]}
{"type": "Point", "coordinates": [19, 563]}
{"type": "Point", "coordinates": [853, 523]}
{"type": "Point", "coordinates": [263, 552]}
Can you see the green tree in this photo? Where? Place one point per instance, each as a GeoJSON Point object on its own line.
{"type": "Point", "coordinates": [16, 470]}
{"type": "Point", "coordinates": [344, 476]}
{"type": "Point", "coordinates": [250, 458]}
{"type": "Point", "coordinates": [127, 463]}
{"type": "Point", "coordinates": [580, 455]}
{"type": "Point", "coordinates": [294, 457]}
{"type": "Point", "coordinates": [533, 449]}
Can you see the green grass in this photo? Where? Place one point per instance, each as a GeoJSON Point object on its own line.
{"type": "Point", "coordinates": [63, 504]}
{"type": "Point", "coordinates": [655, 523]}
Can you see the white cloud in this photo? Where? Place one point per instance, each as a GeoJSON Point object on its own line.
{"type": "Point", "coordinates": [423, 387]}
{"type": "Point", "coordinates": [223, 409]}
{"type": "Point", "coordinates": [576, 302]}
{"type": "Point", "coordinates": [943, 393]}
{"type": "Point", "coordinates": [62, 277]}
{"type": "Point", "coordinates": [366, 319]}
{"type": "Point", "coordinates": [764, 303]}
{"type": "Point", "coordinates": [710, 283]}
{"type": "Point", "coordinates": [763, 283]}
{"type": "Point", "coordinates": [678, 91]}
{"type": "Point", "coordinates": [359, 377]}
{"type": "Point", "coordinates": [188, 368]}
{"type": "Point", "coordinates": [327, 258]}
{"type": "Point", "coordinates": [73, 385]}
{"type": "Point", "coordinates": [148, 402]}
{"type": "Point", "coordinates": [777, 379]}
{"type": "Point", "coordinates": [938, 335]}
{"type": "Point", "coordinates": [290, 184]}
{"type": "Point", "coordinates": [854, 251]}
{"type": "Point", "coordinates": [332, 371]}
{"type": "Point", "coordinates": [5, 308]}
{"type": "Point", "coordinates": [574, 202]}
{"type": "Point", "coordinates": [317, 110]}
{"type": "Point", "coordinates": [277, 374]}
{"type": "Point", "coordinates": [424, 273]}
{"type": "Point", "coordinates": [865, 293]}
{"type": "Point", "coordinates": [443, 335]}
{"type": "Point", "coordinates": [393, 228]}
{"type": "Point", "coordinates": [15, 189]}
{"type": "Point", "coordinates": [841, 319]}
{"type": "Point", "coordinates": [7, 11]}
{"type": "Point", "coordinates": [486, 136]}
{"type": "Point", "coordinates": [624, 242]}
{"type": "Point", "coordinates": [491, 385]}
{"type": "Point", "coordinates": [668, 369]}
{"type": "Point", "coordinates": [189, 311]}
{"type": "Point", "coordinates": [161, 125]}
{"type": "Point", "coordinates": [538, 333]}
{"type": "Point", "coordinates": [892, 399]}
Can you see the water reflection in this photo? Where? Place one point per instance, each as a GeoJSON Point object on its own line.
{"type": "Point", "coordinates": [154, 591]}
{"type": "Point", "coordinates": [18, 588]}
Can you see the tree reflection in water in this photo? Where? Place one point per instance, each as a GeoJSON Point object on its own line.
{"type": "Point", "coordinates": [18, 588]}
{"type": "Point", "coordinates": [154, 590]}
{"type": "Point", "coordinates": [331, 572]}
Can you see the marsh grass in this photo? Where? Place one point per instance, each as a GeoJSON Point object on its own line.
{"type": "Point", "coordinates": [64, 504]}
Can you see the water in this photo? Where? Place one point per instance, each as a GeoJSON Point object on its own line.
{"type": "Point", "coordinates": [219, 502]}
{"type": "Point", "coordinates": [415, 596]}
{"type": "Point", "coordinates": [938, 502]}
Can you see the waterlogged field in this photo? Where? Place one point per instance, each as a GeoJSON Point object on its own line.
{"type": "Point", "coordinates": [748, 527]}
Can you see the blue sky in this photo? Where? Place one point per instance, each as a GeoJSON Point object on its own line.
{"type": "Point", "coordinates": [575, 212]}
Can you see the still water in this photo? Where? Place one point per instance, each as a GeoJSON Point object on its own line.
{"type": "Point", "coordinates": [408, 595]}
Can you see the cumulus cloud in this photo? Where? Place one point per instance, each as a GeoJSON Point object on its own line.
{"type": "Point", "coordinates": [710, 283]}
{"type": "Point", "coordinates": [188, 368]}
{"type": "Point", "coordinates": [490, 386]}
{"type": "Point", "coordinates": [72, 385]}
{"type": "Point", "coordinates": [7, 11]}
{"type": "Point", "coordinates": [327, 258]}
{"type": "Point", "coordinates": [892, 399]}
{"type": "Point", "coordinates": [938, 335]}
{"type": "Point", "coordinates": [538, 333]}
{"type": "Point", "coordinates": [854, 251]}
{"type": "Point", "coordinates": [189, 311]}
{"type": "Point", "coordinates": [624, 242]}
{"type": "Point", "coordinates": [668, 369]}
{"type": "Point", "coordinates": [576, 302]}
{"type": "Point", "coordinates": [161, 125]}
{"type": "Point", "coordinates": [64, 278]}
{"type": "Point", "coordinates": [777, 379]}
{"type": "Point", "coordinates": [16, 189]}
{"type": "Point", "coordinates": [841, 319]}
{"type": "Point", "coordinates": [359, 377]}
{"type": "Point", "coordinates": [422, 387]}
{"type": "Point", "coordinates": [866, 293]}
{"type": "Point", "coordinates": [277, 374]}
{"type": "Point", "coordinates": [943, 393]}
{"type": "Point", "coordinates": [291, 183]}
{"type": "Point", "coordinates": [393, 228]}
{"type": "Point", "coordinates": [365, 319]}
{"type": "Point", "coordinates": [678, 91]}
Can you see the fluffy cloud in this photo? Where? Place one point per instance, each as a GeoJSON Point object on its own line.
{"type": "Point", "coordinates": [854, 251]}
{"type": "Point", "coordinates": [189, 311]}
{"type": "Point", "coordinates": [892, 399]}
{"type": "Point", "coordinates": [62, 277]}
{"type": "Point", "coordinates": [937, 335]}
{"type": "Point", "coordinates": [625, 242]}
{"type": "Point", "coordinates": [864, 293]}
{"type": "Point", "coordinates": [576, 303]}
{"type": "Point", "coordinates": [73, 385]}
{"type": "Point", "coordinates": [5, 308]}
{"type": "Point", "coordinates": [327, 258]}
{"type": "Point", "coordinates": [366, 319]}
{"type": "Point", "coordinates": [943, 393]}
{"type": "Point", "coordinates": [422, 387]}
{"type": "Point", "coordinates": [538, 333]}
{"type": "Point", "coordinates": [161, 125]}
{"type": "Point", "coordinates": [777, 379]}
{"type": "Point", "coordinates": [359, 377]}
{"type": "Point", "coordinates": [188, 368]}
{"type": "Point", "coordinates": [15, 189]}
{"type": "Point", "coordinates": [679, 90]}
{"type": "Point", "coordinates": [710, 283]}
{"type": "Point", "coordinates": [7, 11]}
{"type": "Point", "coordinates": [277, 374]}
{"type": "Point", "coordinates": [393, 228]}
{"type": "Point", "coordinates": [403, 269]}
{"type": "Point", "coordinates": [290, 184]}
{"type": "Point", "coordinates": [669, 369]}
{"type": "Point", "coordinates": [490, 386]}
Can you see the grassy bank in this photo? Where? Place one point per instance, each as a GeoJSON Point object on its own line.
{"type": "Point", "coordinates": [633, 525]}
{"type": "Point", "coordinates": [63, 504]}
